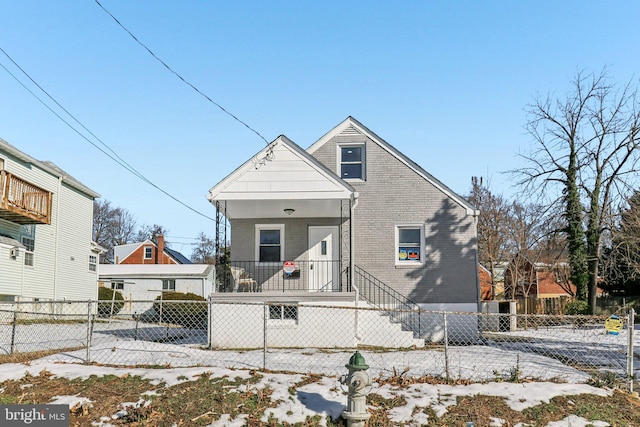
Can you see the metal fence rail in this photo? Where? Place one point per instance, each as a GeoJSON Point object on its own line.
{"type": "Point", "coordinates": [314, 338]}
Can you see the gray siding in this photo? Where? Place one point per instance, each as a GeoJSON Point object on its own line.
{"type": "Point", "coordinates": [296, 234]}
{"type": "Point", "coordinates": [394, 194]}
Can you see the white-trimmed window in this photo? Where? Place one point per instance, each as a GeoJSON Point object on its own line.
{"type": "Point", "coordinates": [169, 284]}
{"type": "Point", "coordinates": [93, 263]}
{"type": "Point", "coordinates": [270, 242]}
{"type": "Point", "coordinates": [287, 313]}
{"type": "Point", "coordinates": [117, 286]}
{"type": "Point", "coordinates": [30, 244]}
{"type": "Point", "coordinates": [351, 159]}
{"type": "Point", "coordinates": [148, 252]}
{"type": "Point", "coordinates": [410, 244]}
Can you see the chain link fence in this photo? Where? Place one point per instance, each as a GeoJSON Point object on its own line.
{"type": "Point", "coordinates": [315, 338]}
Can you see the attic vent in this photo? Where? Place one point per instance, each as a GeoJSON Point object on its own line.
{"type": "Point", "coordinates": [351, 131]}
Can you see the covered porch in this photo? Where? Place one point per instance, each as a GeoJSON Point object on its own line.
{"type": "Point", "coordinates": [283, 225]}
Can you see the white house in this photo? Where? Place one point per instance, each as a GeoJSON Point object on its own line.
{"type": "Point", "coordinates": [145, 282]}
{"type": "Point", "coordinates": [46, 217]}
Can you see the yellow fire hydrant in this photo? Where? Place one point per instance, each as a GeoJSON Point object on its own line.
{"type": "Point", "coordinates": [357, 380]}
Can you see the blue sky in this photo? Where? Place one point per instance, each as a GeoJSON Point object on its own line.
{"type": "Point", "coordinates": [446, 83]}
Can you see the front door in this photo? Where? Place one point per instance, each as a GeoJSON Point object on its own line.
{"type": "Point", "coordinates": [323, 267]}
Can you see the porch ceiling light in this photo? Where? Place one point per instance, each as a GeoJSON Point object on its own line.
{"type": "Point", "coordinates": [289, 211]}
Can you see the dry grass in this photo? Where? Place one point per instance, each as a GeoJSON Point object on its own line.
{"type": "Point", "coordinates": [203, 400]}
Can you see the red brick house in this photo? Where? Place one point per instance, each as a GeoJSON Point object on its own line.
{"type": "Point", "coordinates": [148, 252]}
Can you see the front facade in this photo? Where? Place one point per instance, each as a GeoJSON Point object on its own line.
{"type": "Point", "coordinates": [349, 214]}
{"type": "Point", "coordinates": [46, 217]}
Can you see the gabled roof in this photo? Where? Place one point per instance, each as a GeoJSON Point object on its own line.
{"type": "Point", "coordinates": [275, 171]}
{"type": "Point", "coordinates": [122, 252]}
{"type": "Point", "coordinates": [351, 122]}
{"type": "Point", "coordinates": [181, 259]}
{"type": "Point", "coordinates": [49, 167]}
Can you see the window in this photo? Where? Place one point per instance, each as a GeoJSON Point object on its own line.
{"type": "Point", "coordinates": [270, 243]}
{"type": "Point", "coordinates": [352, 162]}
{"type": "Point", "coordinates": [148, 252]}
{"type": "Point", "coordinates": [29, 243]}
{"type": "Point", "coordinates": [283, 312]}
{"type": "Point", "coordinates": [93, 263]}
{"type": "Point", "coordinates": [410, 244]}
{"type": "Point", "coordinates": [169, 284]}
{"type": "Point", "coordinates": [117, 286]}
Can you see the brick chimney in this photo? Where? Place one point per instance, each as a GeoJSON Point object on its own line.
{"type": "Point", "coordinates": [160, 250]}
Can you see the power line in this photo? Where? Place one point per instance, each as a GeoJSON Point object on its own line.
{"type": "Point", "coordinates": [114, 156]}
{"type": "Point", "coordinates": [179, 76]}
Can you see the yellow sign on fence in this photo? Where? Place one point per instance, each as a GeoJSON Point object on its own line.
{"type": "Point", "coordinates": [613, 325]}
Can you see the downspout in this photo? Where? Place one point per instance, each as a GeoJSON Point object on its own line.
{"type": "Point", "coordinates": [57, 237]}
{"type": "Point", "coordinates": [354, 203]}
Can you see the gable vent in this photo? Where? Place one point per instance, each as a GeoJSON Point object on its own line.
{"type": "Point", "coordinates": [350, 131]}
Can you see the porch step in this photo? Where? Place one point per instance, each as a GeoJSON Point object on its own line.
{"type": "Point", "coordinates": [378, 329]}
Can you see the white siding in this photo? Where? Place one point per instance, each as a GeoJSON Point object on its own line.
{"type": "Point", "coordinates": [62, 248]}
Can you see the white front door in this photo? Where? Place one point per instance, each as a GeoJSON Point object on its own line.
{"type": "Point", "coordinates": [323, 267]}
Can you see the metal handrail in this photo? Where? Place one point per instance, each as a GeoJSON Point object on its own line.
{"type": "Point", "coordinates": [380, 295]}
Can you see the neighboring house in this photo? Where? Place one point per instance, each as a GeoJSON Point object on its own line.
{"type": "Point", "coordinates": [349, 214]}
{"type": "Point", "coordinates": [148, 252]}
{"type": "Point", "coordinates": [146, 282]}
{"type": "Point", "coordinates": [487, 291]}
{"type": "Point", "coordinates": [46, 216]}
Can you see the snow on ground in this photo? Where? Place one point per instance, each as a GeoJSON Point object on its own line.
{"type": "Point", "coordinates": [324, 397]}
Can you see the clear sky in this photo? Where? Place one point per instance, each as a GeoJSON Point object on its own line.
{"type": "Point", "coordinates": [446, 83]}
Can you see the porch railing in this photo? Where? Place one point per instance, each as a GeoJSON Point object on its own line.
{"type": "Point", "coordinates": [22, 202]}
{"type": "Point", "coordinates": [253, 276]}
{"type": "Point", "coordinates": [400, 308]}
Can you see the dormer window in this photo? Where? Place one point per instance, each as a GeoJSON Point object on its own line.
{"type": "Point", "coordinates": [352, 161]}
{"type": "Point", "coordinates": [148, 252]}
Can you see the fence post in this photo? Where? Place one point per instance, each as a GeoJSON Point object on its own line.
{"type": "Point", "coordinates": [210, 324]}
{"type": "Point", "coordinates": [264, 335]}
{"type": "Point", "coordinates": [89, 331]}
{"type": "Point", "coordinates": [446, 345]}
{"type": "Point", "coordinates": [630, 330]}
{"type": "Point", "coordinates": [13, 330]}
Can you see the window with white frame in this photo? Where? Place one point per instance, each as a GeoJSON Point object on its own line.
{"type": "Point", "coordinates": [148, 252]}
{"type": "Point", "coordinates": [30, 244]}
{"type": "Point", "coordinates": [93, 263]}
{"type": "Point", "coordinates": [117, 286]}
{"type": "Point", "coordinates": [270, 242]}
{"type": "Point", "coordinates": [287, 313]}
{"type": "Point", "coordinates": [169, 284]}
{"type": "Point", "coordinates": [352, 161]}
{"type": "Point", "coordinates": [410, 244]}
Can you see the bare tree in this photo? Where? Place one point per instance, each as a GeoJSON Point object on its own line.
{"type": "Point", "coordinates": [151, 232]}
{"type": "Point", "coordinates": [111, 227]}
{"type": "Point", "coordinates": [492, 227]}
{"type": "Point", "coordinates": [585, 152]}
{"type": "Point", "coordinates": [205, 250]}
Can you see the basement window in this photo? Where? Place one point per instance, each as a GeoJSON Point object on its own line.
{"type": "Point", "coordinates": [285, 313]}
